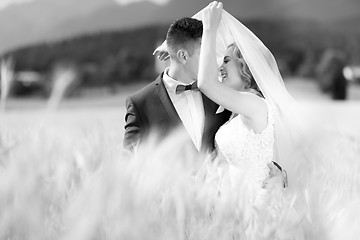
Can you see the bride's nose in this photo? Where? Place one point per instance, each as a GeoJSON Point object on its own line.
{"type": "Point", "coordinates": [221, 68]}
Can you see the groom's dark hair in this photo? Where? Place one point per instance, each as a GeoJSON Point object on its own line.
{"type": "Point", "coordinates": [183, 33]}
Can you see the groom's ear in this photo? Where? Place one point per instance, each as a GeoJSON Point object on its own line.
{"type": "Point", "coordinates": [182, 55]}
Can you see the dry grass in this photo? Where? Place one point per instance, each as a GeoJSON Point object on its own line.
{"type": "Point", "coordinates": [6, 79]}
{"type": "Point", "coordinates": [82, 185]}
{"type": "Point", "coordinates": [64, 175]}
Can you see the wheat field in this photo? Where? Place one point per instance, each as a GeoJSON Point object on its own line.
{"type": "Point", "coordinates": [64, 175]}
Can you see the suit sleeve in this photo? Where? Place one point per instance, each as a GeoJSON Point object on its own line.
{"type": "Point", "coordinates": [132, 134]}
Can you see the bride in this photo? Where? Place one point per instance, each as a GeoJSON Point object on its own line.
{"type": "Point", "coordinates": [247, 140]}
{"type": "Point", "coordinates": [261, 132]}
{"type": "Point", "coordinates": [253, 140]}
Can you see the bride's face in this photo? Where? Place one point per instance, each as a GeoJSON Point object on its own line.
{"type": "Point", "coordinates": [229, 71]}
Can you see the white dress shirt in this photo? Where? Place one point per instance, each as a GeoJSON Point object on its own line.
{"type": "Point", "coordinates": [190, 108]}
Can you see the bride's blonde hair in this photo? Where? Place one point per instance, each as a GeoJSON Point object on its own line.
{"type": "Point", "coordinates": [244, 70]}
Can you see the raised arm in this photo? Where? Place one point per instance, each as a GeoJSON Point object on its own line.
{"type": "Point", "coordinates": [244, 103]}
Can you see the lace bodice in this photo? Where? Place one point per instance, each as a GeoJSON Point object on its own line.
{"type": "Point", "coordinates": [247, 152]}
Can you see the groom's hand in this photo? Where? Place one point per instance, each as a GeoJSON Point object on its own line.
{"type": "Point", "coordinates": [274, 182]}
{"type": "Point", "coordinates": [277, 177]}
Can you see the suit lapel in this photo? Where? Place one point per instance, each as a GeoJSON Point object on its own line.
{"type": "Point", "coordinates": [209, 109]}
{"type": "Point", "coordinates": [166, 102]}
{"type": "Point", "coordinates": [209, 106]}
{"type": "Point", "coordinates": [169, 106]}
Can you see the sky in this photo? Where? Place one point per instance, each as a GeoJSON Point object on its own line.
{"type": "Point", "coordinates": [160, 2]}
{"type": "Point", "coordinates": [5, 3]}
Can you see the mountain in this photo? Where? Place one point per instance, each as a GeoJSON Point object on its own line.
{"type": "Point", "coordinates": [44, 20]}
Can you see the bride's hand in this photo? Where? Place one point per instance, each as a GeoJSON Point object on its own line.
{"type": "Point", "coordinates": [212, 16]}
{"type": "Point", "coordinates": [161, 52]}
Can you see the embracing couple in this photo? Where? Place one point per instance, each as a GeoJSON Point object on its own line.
{"type": "Point", "coordinates": [223, 88]}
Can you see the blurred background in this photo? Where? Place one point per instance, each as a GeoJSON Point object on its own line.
{"type": "Point", "coordinates": [89, 55]}
{"type": "Point", "coordinates": [66, 68]}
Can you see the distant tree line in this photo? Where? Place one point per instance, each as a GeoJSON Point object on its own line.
{"type": "Point", "coordinates": [123, 57]}
{"type": "Point", "coordinates": [102, 58]}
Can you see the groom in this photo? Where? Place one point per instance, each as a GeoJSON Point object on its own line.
{"type": "Point", "coordinates": [173, 101]}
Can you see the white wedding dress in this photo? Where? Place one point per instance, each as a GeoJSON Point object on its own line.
{"type": "Point", "coordinates": [247, 154]}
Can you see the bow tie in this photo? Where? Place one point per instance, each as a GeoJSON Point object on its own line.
{"type": "Point", "coordinates": [183, 88]}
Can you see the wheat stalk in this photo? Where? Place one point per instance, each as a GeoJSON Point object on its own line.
{"type": "Point", "coordinates": [63, 77]}
{"type": "Point", "coordinates": [6, 77]}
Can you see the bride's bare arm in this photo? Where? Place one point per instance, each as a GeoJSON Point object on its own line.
{"type": "Point", "coordinates": [244, 103]}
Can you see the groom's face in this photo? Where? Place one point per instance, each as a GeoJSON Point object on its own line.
{"type": "Point", "coordinates": [192, 63]}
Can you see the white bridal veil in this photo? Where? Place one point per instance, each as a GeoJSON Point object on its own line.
{"type": "Point", "coordinates": [290, 128]}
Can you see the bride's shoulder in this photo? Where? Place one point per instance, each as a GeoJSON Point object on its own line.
{"type": "Point", "coordinates": [262, 99]}
{"type": "Point", "coordinates": [255, 92]}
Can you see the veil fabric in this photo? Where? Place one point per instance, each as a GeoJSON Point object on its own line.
{"type": "Point", "coordinates": [291, 129]}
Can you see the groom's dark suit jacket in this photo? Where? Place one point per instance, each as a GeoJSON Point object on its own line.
{"type": "Point", "coordinates": [151, 109]}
